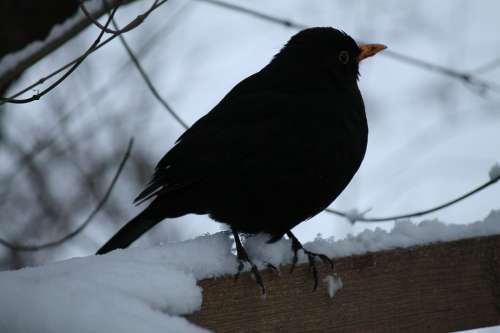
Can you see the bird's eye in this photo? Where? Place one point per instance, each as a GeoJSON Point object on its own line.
{"type": "Point", "coordinates": [344, 57]}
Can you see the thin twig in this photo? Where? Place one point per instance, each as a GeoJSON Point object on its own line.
{"type": "Point", "coordinates": [462, 76]}
{"type": "Point", "coordinates": [91, 49]}
{"type": "Point", "coordinates": [257, 14]}
{"type": "Point", "coordinates": [27, 248]}
{"type": "Point", "coordinates": [146, 78]}
{"type": "Point", "coordinates": [25, 160]}
{"type": "Point", "coordinates": [489, 66]}
{"type": "Point", "coordinates": [131, 25]}
{"type": "Point", "coordinates": [59, 70]}
{"type": "Point", "coordinates": [95, 96]}
{"type": "Point", "coordinates": [419, 213]}
{"type": "Point", "coordinates": [52, 43]}
{"type": "Point", "coordinates": [75, 63]}
{"type": "Point", "coordinates": [466, 78]}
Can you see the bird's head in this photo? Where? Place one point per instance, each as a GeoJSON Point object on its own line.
{"type": "Point", "coordinates": [326, 50]}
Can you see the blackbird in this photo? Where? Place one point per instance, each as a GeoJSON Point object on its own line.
{"type": "Point", "coordinates": [277, 150]}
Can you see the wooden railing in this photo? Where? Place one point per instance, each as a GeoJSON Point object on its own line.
{"type": "Point", "coordinates": [440, 287]}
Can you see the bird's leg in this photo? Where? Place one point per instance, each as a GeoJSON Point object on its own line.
{"type": "Point", "coordinates": [242, 257]}
{"type": "Point", "coordinates": [296, 246]}
{"type": "Point", "coordinates": [272, 267]}
{"type": "Point", "coordinates": [311, 256]}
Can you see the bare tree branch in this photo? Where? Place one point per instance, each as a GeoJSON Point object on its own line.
{"type": "Point", "coordinates": [131, 25]}
{"type": "Point", "coordinates": [91, 49]}
{"type": "Point", "coordinates": [26, 248]}
{"type": "Point", "coordinates": [52, 45]}
{"type": "Point", "coordinates": [489, 66]}
{"type": "Point", "coordinates": [361, 218]}
{"type": "Point", "coordinates": [71, 65]}
{"type": "Point", "coordinates": [467, 78]}
{"type": "Point", "coordinates": [95, 96]}
{"type": "Point", "coordinates": [147, 80]}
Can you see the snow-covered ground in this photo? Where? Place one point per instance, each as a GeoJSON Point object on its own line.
{"type": "Point", "coordinates": [148, 290]}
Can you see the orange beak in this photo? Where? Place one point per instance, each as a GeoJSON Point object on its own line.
{"type": "Point", "coordinates": [368, 50]}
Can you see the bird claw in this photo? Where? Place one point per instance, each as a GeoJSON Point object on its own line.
{"type": "Point", "coordinates": [273, 268]}
{"type": "Point", "coordinates": [242, 258]}
{"type": "Point", "coordinates": [254, 271]}
{"type": "Point", "coordinates": [311, 256]}
{"type": "Point", "coordinates": [323, 257]}
{"type": "Point", "coordinates": [294, 260]}
{"type": "Point", "coordinates": [241, 265]}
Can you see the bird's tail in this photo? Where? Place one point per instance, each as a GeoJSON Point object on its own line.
{"type": "Point", "coordinates": [134, 229]}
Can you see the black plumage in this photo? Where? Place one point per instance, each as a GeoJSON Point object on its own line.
{"type": "Point", "coordinates": [277, 150]}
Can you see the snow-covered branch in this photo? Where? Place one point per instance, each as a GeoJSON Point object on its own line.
{"type": "Point", "coordinates": [14, 64]}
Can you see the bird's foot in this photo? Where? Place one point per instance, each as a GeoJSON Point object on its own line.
{"type": "Point", "coordinates": [242, 258]}
{"type": "Point", "coordinates": [254, 271]}
{"type": "Point", "coordinates": [311, 257]}
{"type": "Point", "coordinates": [272, 267]}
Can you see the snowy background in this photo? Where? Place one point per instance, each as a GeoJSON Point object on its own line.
{"type": "Point", "coordinates": [431, 137]}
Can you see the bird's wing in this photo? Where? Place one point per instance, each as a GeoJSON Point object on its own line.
{"type": "Point", "coordinates": [238, 135]}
